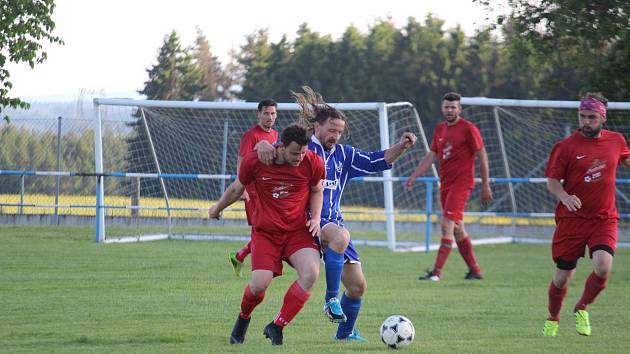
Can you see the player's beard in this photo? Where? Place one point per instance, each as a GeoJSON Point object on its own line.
{"type": "Point", "coordinates": [590, 132]}
{"type": "Point", "coordinates": [268, 124]}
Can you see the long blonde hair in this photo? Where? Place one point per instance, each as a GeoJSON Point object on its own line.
{"type": "Point", "coordinates": [313, 108]}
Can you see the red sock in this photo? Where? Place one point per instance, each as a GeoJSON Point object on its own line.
{"type": "Point", "coordinates": [249, 302]}
{"type": "Point", "coordinates": [244, 251]}
{"type": "Point", "coordinates": [443, 252]}
{"type": "Point", "coordinates": [294, 300]}
{"type": "Point", "coordinates": [556, 295]}
{"type": "Point", "coordinates": [465, 249]}
{"type": "Point", "coordinates": [594, 285]}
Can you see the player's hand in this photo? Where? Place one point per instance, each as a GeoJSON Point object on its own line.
{"type": "Point", "coordinates": [214, 213]}
{"type": "Point", "coordinates": [313, 227]}
{"type": "Point", "coordinates": [411, 180]}
{"type": "Point", "coordinates": [245, 196]}
{"type": "Point", "coordinates": [486, 194]}
{"type": "Point", "coordinates": [408, 139]}
{"type": "Point", "coordinates": [572, 202]}
{"type": "Point", "coordinates": [266, 152]}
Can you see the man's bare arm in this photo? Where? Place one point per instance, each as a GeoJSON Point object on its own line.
{"type": "Point", "coordinates": [423, 167]}
{"type": "Point", "coordinates": [484, 172]}
{"type": "Point", "coordinates": [572, 202]}
{"type": "Point", "coordinates": [231, 194]}
{"type": "Point", "coordinates": [316, 199]}
{"type": "Point", "coordinates": [406, 140]}
{"type": "Point", "coordinates": [266, 152]}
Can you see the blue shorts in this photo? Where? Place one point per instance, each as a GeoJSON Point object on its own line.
{"type": "Point", "coordinates": [351, 255]}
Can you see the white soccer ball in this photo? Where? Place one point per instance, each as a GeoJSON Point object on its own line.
{"type": "Point", "coordinates": [397, 332]}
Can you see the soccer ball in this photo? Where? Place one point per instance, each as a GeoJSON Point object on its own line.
{"type": "Point", "coordinates": [397, 332]}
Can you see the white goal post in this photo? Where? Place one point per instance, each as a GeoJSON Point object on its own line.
{"type": "Point", "coordinates": [179, 157]}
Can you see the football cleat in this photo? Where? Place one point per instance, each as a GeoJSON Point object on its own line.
{"type": "Point", "coordinates": [236, 264]}
{"type": "Point", "coordinates": [239, 331]}
{"type": "Point", "coordinates": [430, 275]}
{"type": "Point", "coordinates": [473, 275]}
{"type": "Point", "coordinates": [332, 310]}
{"type": "Point", "coordinates": [582, 324]}
{"type": "Point", "coordinates": [354, 336]}
{"type": "Point", "coordinates": [550, 329]}
{"type": "Point", "coordinates": [273, 332]}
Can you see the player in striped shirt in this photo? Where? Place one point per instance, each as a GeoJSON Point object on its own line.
{"type": "Point", "coordinates": [343, 162]}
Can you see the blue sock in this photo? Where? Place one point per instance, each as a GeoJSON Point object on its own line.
{"type": "Point", "coordinates": [334, 266]}
{"type": "Point", "coordinates": [351, 308]}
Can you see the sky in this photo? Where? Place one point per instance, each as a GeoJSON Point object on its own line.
{"type": "Point", "coordinates": [110, 44]}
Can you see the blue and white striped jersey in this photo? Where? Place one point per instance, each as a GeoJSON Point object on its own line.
{"type": "Point", "coordinates": [344, 162]}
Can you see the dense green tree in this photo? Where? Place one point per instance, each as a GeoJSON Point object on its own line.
{"type": "Point", "coordinates": [24, 25]}
{"type": "Point", "coordinates": [380, 53]}
{"type": "Point", "coordinates": [349, 67]}
{"type": "Point", "coordinates": [575, 43]}
{"type": "Point", "coordinates": [311, 61]}
{"type": "Point", "coordinates": [254, 61]}
{"type": "Point", "coordinates": [277, 81]}
{"type": "Point", "coordinates": [174, 76]}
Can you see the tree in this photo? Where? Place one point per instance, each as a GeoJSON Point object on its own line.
{"type": "Point", "coordinates": [254, 60]}
{"type": "Point", "coordinates": [575, 40]}
{"type": "Point", "coordinates": [209, 67]}
{"type": "Point", "coordinates": [231, 77]}
{"type": "Point", "coordinates": [174, 77]}
{"type": "Point", "coordinates": [23, 26]}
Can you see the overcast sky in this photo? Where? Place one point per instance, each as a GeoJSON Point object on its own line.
{"type": "Point", "coordinates": [110, 44]}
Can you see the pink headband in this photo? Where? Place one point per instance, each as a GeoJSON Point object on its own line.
{"type": "Point", "coordinates": [589, 103]}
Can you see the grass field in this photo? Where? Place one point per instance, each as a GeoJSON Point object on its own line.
{"type": "Point", "coordinates": [62, 293]}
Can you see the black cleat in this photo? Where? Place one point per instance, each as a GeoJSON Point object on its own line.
{"type": "Point", "coordinates": [473, 275]}
{"type": "Point", "coordinates": [430, 275]}
{"type": "Point", "coordinates": [239, 331]}
{"type": "Point", "coordinates": [273, 332]}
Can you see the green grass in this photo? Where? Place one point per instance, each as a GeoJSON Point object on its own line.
{"type": "Point", "coordinates": [62, 293]}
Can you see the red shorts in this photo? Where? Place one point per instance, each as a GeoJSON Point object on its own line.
{"type": "Point", "coordinates": [574, 234]}
{"type": "Point", "coordinates": [269, 249]}
{"type": "Point", "coordinates": [453, 202]}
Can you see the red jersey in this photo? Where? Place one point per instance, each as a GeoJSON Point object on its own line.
{"type": "Point", "coordinates": [455, 146]}
{"type": "Point", "coordinates": [588, 167]}
{"type": "Point", "coordinates": [283, 190]}
{"type": "Point", "coordinates": [252, 137]}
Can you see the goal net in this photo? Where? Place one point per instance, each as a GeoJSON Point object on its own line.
{"type": "Point", "coordinates": [167, 162]}
{"type": "Point", "coordinates": [519, 135]}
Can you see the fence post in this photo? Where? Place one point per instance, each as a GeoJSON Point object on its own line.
{"type": "Point", "coordinates": [21, 194]}
{"type": "Point", "coordinates": [58, 178]}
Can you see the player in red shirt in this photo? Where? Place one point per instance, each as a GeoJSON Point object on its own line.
{"type": "Point", "coordinates": [284, 230]}
{"type": "Point", "coordinates": [263, 130]}
{"type": "Point", "coordinates": [581, 174]}
{"type": "Point", "coordinates": [456, 143]}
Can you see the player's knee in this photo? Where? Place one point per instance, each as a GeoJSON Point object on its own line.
{"type": "Point", "coordinates": [258, 287]}
{"type": "Point", "coordinates": [357, 289]}
{"type": "Point", "coordinates": [339, 241]}
{"type": "Point", "coordinates": [602, 260]}
{"type": "Point", "coordinates": [309, 277]}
